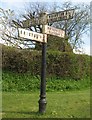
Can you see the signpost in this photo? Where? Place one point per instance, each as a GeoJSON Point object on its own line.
{"type": "Point", "coordinates": [39, 37]}
{"type": "Point", "coordinates": [35, 21]}
{"type": "Point", "coordinates": [54, 31]}
{"type": "Point", "coordinates": [59, 16]}
{"type": "Point", "coordinates": [49, 18]}
{"type": "Point", "coordinates": [42, 37]}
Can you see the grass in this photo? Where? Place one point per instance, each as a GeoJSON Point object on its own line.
{"type": "Point", "coordinates": [69, 104]}
{"type": "Point", "coordinates": [66, 98]}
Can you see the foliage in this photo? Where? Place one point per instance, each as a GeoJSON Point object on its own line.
{"type": "Point", "coordinates": [8, 30]}
{"type": "Point", "coordinates": [58, 44]}
{"type": "Point", "coordinates": [7, 33]}
{"type": "Point", "coordinates": [19, 82]}
{"type": "Point", "coordinates": [60, 64]}
{"type": "Point", "coordinates": [12, 81]}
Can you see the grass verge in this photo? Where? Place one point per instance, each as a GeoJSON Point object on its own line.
{"type": "Point", "coordinates": [70, 104]}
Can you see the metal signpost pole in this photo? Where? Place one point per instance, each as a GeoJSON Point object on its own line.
{"type": "Point", "coordinates": [42, 101]}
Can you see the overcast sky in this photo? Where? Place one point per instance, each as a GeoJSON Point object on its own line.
{"type": "Point", "coordinates": [19, 5]}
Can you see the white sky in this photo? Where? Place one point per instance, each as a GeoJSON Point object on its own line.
{"type": "Point", "coordinates": [19, 6]}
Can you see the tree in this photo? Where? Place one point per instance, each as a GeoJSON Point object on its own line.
{"type": "Point", "coordinates": [8, 30]}
{"type": "Point", "coordinates": [74, 28]}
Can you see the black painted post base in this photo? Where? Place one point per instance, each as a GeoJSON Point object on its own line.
{"type": "Point", "coordinates": [42, 105]}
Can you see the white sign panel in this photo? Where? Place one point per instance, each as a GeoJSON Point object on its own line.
{"type": "Point", "coordinates": [32, 35]}
{"type": "Point", "coordinates": [62, 15]}
{"type": "Point", "coordinates": [54, 31]}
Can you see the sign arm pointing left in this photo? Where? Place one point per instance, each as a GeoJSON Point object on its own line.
{"type": "Point", "coordinates": [39, 37]}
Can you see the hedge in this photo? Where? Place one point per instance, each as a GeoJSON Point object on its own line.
{"type": "Point", "coordinates": [59, 64]}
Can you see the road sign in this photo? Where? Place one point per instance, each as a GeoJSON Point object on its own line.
{"type": "Point", "coordinates": [42, 20]}
{"type": "Point", "coordinates": [59, 16]}
{"type": "Point", "coordinates": [32, 35]}
{"type": "Point", "coordinates": [49, 18]}
{"type": "Point", "coordinates": [35, 21]}
{"type": "Point", "coordinates": [54, 31]}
